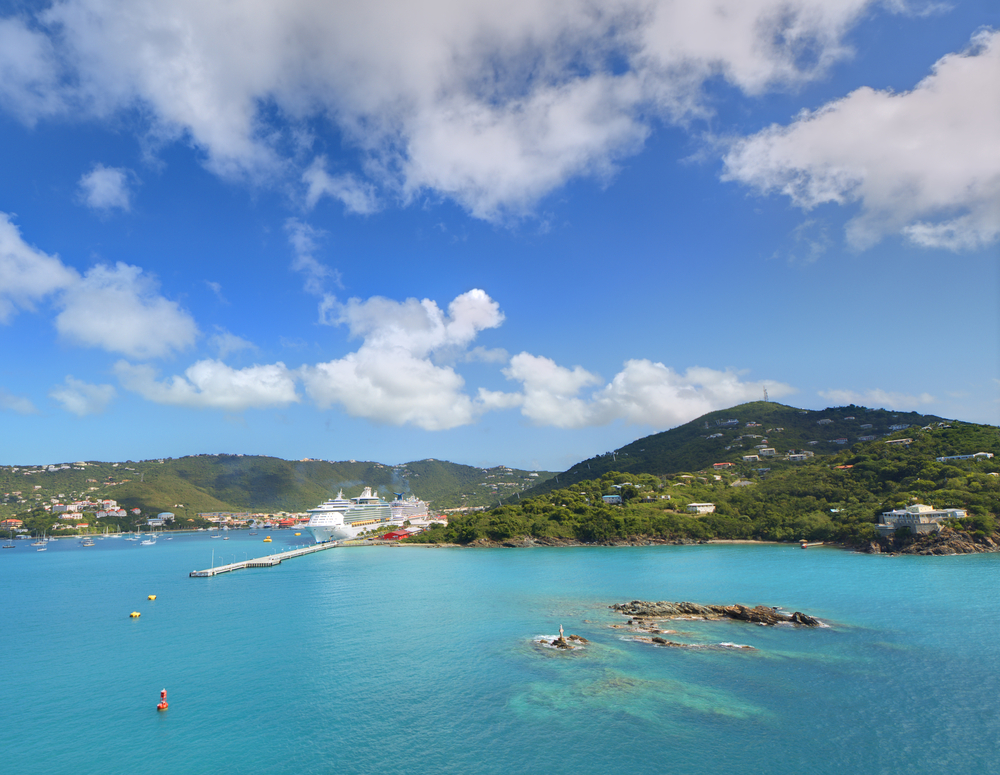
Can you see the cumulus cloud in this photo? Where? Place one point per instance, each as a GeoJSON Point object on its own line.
{"type": "Point", "coordinates": [924, 164]}
{"type": "Point", "coordinates": [106, 188]}
{"type": "Point", "coordinates": [643, 393]}
{"type": "Point", "coordinates": [14, 403]}
{"type": "Point", "coordinates": [82, 398]}
{"type": "Point", "coordinates": [876, 398]}
{"type": "Point", "coordinates": [491, 104]}
{"type": "Point", "coordinates": [119, 309]}
{"type": "Point", "coordinates": [212, 384]}
{"type": "Point", "coordinates": [27, 274]}
{"type": "Point", "coordinates": [393, 377]}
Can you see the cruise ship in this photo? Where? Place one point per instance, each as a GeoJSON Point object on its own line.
{"type": "Point", "coordinates": [410, 508]}
{"type": "Point", "coordinates": [339, 519]}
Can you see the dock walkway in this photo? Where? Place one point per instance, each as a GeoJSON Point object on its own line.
{"type": "Point", "coordinates": [264, 562]}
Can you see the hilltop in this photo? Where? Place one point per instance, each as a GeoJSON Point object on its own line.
{"type": "Point", "coordinates": [731, 434]}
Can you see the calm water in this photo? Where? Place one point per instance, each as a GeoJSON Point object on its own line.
{"type": "Point", "coordinates": [382, 660]}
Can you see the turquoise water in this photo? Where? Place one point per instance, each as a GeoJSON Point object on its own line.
{"type": "Point", "coordinates": [403, 660]}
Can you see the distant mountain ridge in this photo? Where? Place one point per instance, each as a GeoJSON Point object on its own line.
{"type": "Point", "coordinates": [236, 483]}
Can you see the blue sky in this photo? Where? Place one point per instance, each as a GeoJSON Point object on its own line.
{"type": "Point", "coordinates": [521, 232]}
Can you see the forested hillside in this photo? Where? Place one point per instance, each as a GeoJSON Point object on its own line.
{"type": "Point", "coordinates": [731, 434]}
{"type": "Point", "coordinates": [838, 497]}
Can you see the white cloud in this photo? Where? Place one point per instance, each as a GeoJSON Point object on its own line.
{"type": "Point", "coordinates": [392, 377]}
{"type": "Point", "coordinates": [392, 386]}
{"type": "Point", "coordinates": [551, 391]}
{"type": "Point", "coordinates": [106, 188]}
{"type": "Point", "coordinates": [486, 355]}
{"type": "Point", "coordinates": [19, 404]}
{"type": "Point", "coordinates": [226, 343]}
{"type": "Point", "coordinates": [302, 238]}
{"type": "Point", "coordinates": [118, 309]}
{"type": "Point", "coordinates": [924, 164]}
{"type": "Point", "coordinates": [212, 384]}
{"type": "Point", "coordinates": [26, 273]}
{"type": "Point", "coordinates": [643, 393]}
{"type": "Point", "coordinates": [216, 288]}
{"type": "Point", "coordinates": [82, 398]}
{"type": "Point", "coordinates": [491, 104]}
{"type": "Point", "coordinates": [29, 72]}
{"type": "Point", "coordinates": [357, 197]}
{"type": "Point", "coordinates": [876, 398]}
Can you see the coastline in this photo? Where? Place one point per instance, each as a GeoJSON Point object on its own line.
{"type": "Point", "coordinates": [947, 543]}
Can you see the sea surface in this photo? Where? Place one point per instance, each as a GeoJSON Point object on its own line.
{"type": "Point", "coordinates": [426, 660]}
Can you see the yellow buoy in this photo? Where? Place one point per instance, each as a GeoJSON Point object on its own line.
{"type": "Point", "coordinates": [298, 534]}
{"type": "Point", "coordinates": [151, 597]}
{"type": "Point", "coordinates": [267, 540]}
{"type": "Point", "coordinates": [135, 614]}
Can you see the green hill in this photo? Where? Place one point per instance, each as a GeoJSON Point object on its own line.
{"type": "Point", "coordinates": [730, 434]}
{"type": "Point", "coordinates": [833, 495]}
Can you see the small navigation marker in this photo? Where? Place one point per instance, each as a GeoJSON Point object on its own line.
{"type": "Point", "coordinates": [163, 701]}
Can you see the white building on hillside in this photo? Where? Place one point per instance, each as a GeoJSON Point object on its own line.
{"type": "Point", "coordinates": [701, 508]}
{"type": "Point", "coordinates": [918, 517]}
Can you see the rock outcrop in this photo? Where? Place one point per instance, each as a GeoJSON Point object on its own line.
{"type": "Point", "coordinates": [948, 541]}
{"type": "Point", "coordinates": [765, 615]}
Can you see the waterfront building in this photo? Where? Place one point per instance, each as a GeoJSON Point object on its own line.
{"type": "Point", "coordinates": [919, 517]}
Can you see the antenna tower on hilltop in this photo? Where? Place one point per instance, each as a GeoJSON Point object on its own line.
{"type": "Point", "coordinates": [765, 395]}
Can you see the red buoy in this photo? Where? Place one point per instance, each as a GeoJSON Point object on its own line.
{"type": "Point", "coordinates": [163, 701]}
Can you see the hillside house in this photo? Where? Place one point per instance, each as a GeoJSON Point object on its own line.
{"type": "Point", "coordinates": [701, 508]}
{"type": "Point", "coordinates": [919, 518]}
{"type": "Point", "coordinates": [973, 456]}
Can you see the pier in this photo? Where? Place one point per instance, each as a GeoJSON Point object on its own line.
{"type": "Point", "coordinates": [264, 562]}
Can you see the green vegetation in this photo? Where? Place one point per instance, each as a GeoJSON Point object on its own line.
{"type": "Point", "coordinates": [825, 498]}
{"type": "Point", "coordinates": [238, 483]}
{"type": "Point", "coordinates": [709, 439]}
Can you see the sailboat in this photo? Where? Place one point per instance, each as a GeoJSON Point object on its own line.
{"type": "Point", "coordinates": [151, 541]}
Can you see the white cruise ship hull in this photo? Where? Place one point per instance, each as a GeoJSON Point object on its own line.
{"type": "Point", "coordinates": [323, 533]}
